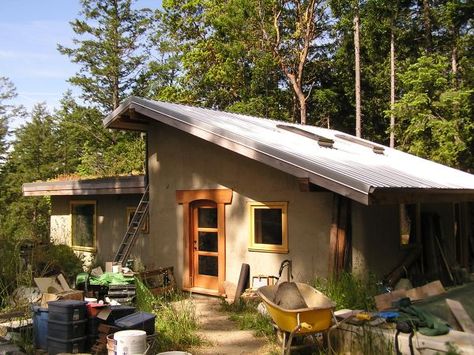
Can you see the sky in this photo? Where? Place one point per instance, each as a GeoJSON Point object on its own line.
{"type": "Point", "coordinates": [30, 31]}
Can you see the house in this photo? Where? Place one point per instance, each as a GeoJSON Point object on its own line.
{"type": "Point", "coordinates": [227, 189]}
{"type": "Point", "coordinates": [91, 215]}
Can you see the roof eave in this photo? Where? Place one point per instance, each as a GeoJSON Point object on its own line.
{"type": "Point", "coordinates": [109, 186]}
{"type": "Point", "coordinates": [401, 195]}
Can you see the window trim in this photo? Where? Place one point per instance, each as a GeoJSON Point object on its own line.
{"type": "Point", "coordinates": [94, 229]}
{"type": "Point", "coordinates": [269, 248]}
{"type": "Point", "coordinates": [414, 240]}
{"type": "Point", "coordinates": [146, 224]}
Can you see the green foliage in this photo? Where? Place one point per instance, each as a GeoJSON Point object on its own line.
{"type": "Point", "coordinates": [7, 92]}
{"type": "Point", "coordinates": [176, 321]}
{"type": "Point", "coordinates": [9, 267]}
{"type": "Point", "coordinates": [248, 318]}
{"type": "Point", "coordinates": [51, 259]}
{"type": "Point", "coordinates": [434, 119]}
{"type": "Point", "coordinates": [349, 291]}
{"type": "Point", "coordinates": [108, 48]}
{"type": "Point", "coordinates": [176, 326]}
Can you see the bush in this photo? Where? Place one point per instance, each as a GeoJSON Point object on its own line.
{"type": "Point", "coordinates": [51, 259]}
{"type": "Point", "coordinates": [349, 291]}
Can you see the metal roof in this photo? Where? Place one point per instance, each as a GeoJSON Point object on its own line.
{"type": "Point", "coordinates": [101, 186]}
{"type": "Point", "coordinates": [359, 169]}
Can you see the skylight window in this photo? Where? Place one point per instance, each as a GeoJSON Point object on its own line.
{"type": "Point", "coordinates": [322, 141]}
{"type": "Point", "coordinates": [377, 149]}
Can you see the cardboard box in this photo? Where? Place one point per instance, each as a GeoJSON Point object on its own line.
{"type": "Point", "coordinates": [56, 288]}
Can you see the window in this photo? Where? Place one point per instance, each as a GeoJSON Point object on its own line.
{"type": "Point", "coordinates": [408, 218]}
{"type": "Point", "coordinates": [268, 227]}
{"type": "Point", "coordinates": [83, 225]}
{"type": "Point", "coordinates": [146, 223]}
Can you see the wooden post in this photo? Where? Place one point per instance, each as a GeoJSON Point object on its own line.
{"type": "Point", "coordinates": [339, 240]}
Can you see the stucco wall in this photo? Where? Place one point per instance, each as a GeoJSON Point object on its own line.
{"type": "Point", "coordinates": [111, 214]}
{"type": "Point", "coordinates": [376, 240]}
{"type": "Point", "coordinates": [178, 161]}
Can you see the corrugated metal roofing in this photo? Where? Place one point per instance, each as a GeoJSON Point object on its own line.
{"type": "Point", "coordinates": [350, 167]}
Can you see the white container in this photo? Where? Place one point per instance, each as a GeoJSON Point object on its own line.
{"type": "Point", "coordinates": [130, 342]}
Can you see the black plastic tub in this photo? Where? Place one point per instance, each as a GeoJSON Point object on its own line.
{"type": "Point", "coordinates": [73, 346]}
{"type": "Point", "coordinates": [117, 312]}
{"type": "Point", "coordinates": [67, 310]}
{"type": "Point", "coordinates": [140, 320]}
{"type": "Point", "coordinates": [67, 330]}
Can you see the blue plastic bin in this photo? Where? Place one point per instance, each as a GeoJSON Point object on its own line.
{"type": "Point", "coordinates": [40, 327]}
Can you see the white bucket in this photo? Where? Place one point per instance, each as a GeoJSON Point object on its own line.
{"type": "Point", "coordinates": [129, 342]}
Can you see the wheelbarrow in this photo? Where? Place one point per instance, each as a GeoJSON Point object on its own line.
{"type": "Point", "coordinates": [316, 318]}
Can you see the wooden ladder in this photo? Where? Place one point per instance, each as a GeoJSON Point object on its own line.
{"type": "Point", "coordinates": [133, 229]}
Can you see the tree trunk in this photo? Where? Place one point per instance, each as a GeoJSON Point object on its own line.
{"type": "Point", "coordinates": [427, 24]}
{"type": "Point", "coordinates": [392, 87]}
{"type": "Point", "coordinates": [454, 56]}
{"type": "Point", "coordinates": [357, 71]}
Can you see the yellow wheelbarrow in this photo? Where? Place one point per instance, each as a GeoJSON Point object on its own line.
{"type": "Point", "coordinates": [316, 318]}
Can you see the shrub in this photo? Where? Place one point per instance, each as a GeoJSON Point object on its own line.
{"type": "Point", "coordinates": [349, 291]}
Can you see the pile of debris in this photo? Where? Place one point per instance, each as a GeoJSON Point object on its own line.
{"type": "Point", "coordinates": [84, 319]}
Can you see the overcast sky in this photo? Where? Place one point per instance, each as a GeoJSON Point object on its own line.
{"type": "Point", "coordinates": [29, 33]}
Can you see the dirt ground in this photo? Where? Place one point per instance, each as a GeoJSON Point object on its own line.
{"type": "Point", "coordinates": [223, 335]}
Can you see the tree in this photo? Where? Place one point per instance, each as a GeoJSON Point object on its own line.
{"type": "Point", "coordinates": [435, 120]}
{"type": "Point", "coordinates": [109, 50]}
{"type": "Point", "coordinates": [7, 92]}
{"type": "Point", "coordinates": [291, 30]}
{"type": "Point", "coordinates": [213, 57]}
{"type": "Point", "coordinates": [34, 156]}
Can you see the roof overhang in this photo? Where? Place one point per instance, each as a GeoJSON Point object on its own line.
{"type": "Point", "coordinates": [135, 113]}
{"type": "Point", "coordinates": [102, 186]}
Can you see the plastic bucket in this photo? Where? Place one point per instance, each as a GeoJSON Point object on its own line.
{"type": "Point", "coordinates": [40, 327]}
{"type": "Point", "coordinates": [129, 342]}
{"type": "Point", "coordinates": [111, 344]}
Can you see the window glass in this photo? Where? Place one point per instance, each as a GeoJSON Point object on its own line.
{"type": "Point", "coordinates": [83, 225]}
{"type": "Point", "coordinates": [208, 265]}
{"type": "Point", "coordinates": [269, 227]}
{"type": "Point", "coordinates": [207, 217]}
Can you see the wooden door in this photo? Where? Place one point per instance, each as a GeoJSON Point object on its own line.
{"type": "Point", "coordinates": [206, 245]}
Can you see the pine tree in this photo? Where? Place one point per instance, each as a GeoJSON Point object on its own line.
{"type": "Point", "coordinates": [109, 50]}
{"type": "Point", "coordinates": [7, 92]}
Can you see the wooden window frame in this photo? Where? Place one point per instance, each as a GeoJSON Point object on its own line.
{"type": "Point", "coordinates": [415, 239]}
{"type": "Point", "coordinates": [146, 224]}
{"type": "Point", "coordinates": [94, 229]}
{"type": "Point", "coordinates": [269, 248]}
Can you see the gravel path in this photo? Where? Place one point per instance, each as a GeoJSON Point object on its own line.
{"type": "Point", "coordinates": [223, 334]}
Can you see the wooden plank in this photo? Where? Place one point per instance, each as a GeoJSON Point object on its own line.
{"type": "Point", "coordinates": [384, 301]}
{"type": "Point", "coordinates": [431, 289]}
{"type": "Point", "coordinates": [461, 315]}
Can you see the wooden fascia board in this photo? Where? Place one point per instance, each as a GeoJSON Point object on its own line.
{"type": "Point", "coordinates": [85, 192]}
{"type": "Point", "coordinates": [379, 196]}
